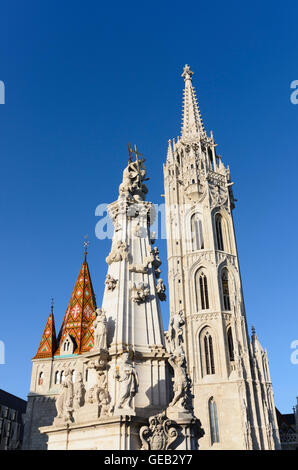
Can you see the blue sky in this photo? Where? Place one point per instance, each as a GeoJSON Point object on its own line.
{"type": "Point", "coordinates": [82, 80]}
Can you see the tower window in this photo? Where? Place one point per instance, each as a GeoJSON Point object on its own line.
{"type": "Point", "coordinates": [197, 233]}
{"type": "Point", "coordinates": [230, 344]}
{"type": "Point", "coordinates": [57, 377]}
{"type": "Point", "coordinates": [213, 421]}
{"type": "Point", "coordinates": [40, 379]}
{"type": "Point", "coordinates": [202, 287]}
{"type": "Point", "coordinates": [218, 229]}
{"type": "Point", "coordinates": [225, 290]}
{"type": "Point", "coordinates": [209, 356]}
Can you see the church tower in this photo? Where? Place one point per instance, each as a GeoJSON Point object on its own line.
{"type": "Point", "coordinates": [231, 385]}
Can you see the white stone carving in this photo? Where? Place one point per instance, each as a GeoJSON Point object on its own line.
{"type": "Point", "coordinates": [64, 403]}
{"type": "Point", "coordinates": [160, 433]}
{"type": "Point", "coordinates": [127, 378]}
{"type": "Point", "coordinates": [110, 282]}
{"type": "Point", "coordinates": [140, 292]}
{"type": "Point", "coordinates": [100, 330]}
{"type": "Point", "coordinates": [118, 253]}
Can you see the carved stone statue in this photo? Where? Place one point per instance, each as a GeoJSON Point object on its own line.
{"type": "Point", "coordinates": [64, 403]}
{"type": "Point", "coordinates": [79, 392]}
{"type": "Point", "coordinates": [140, 292]}
{"type": "Point", "coordinates": [118, 253]}
{"type": "Point", "coordinates": [177, 323]}
{"type": "Point", "coordinates": [180, 381]}
{"type": "Point", "coordinates": [161, 289]}
{"type": "Point", "coordinates": [100, 330]}
{"type": "Point", "coordinates": [133, 177]}
{"type": "Point", "coordinates": [127, 377]}
{"type": "Point", "coordinates": [156, 262]}
{"type": "Point", "coordinates": [110, 282]}
{"type": "Point", "coordinates": [159, 435]}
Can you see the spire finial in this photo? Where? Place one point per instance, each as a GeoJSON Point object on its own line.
{"type": "Point", "coordinates": [253, 330]}
{"type": "Point", "coordinates": [52, 305]}
{"type": "Point", "coordinates": [187, 73]}
{"type": "Point", "coordinates": [86, 244]}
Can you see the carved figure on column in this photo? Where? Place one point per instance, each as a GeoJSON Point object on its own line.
{"type": "Point", "coordinates": [100, 330]}
{"type": "Point", "coordinates": [161, 289]}
{"type": "Point", "coordinates": [139, 292]}
{"type": "Point", "coordinates": [134, 176]}
{"type": "Point", "coordinates": [118, 253]}
{"type": "Point", "coordinates": [110, 282]}
{"type": "Point", "coordinates": [64, 403]}
{"type": "Point", "coordinates": [177, 323]}
{"type": "Point", "coordinates": [180, 381]}
{"type": "Point", "coordinates": [127, 377]}
{"type": "Point", "coordinates": [79, 392]}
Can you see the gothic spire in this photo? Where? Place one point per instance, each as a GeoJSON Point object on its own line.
{"type": "Point", "coordinates": [48, 343]}
{"type": "Point", "coordinates": [80, 313]}
{"type": "Point", "coordinates": [192, 124]}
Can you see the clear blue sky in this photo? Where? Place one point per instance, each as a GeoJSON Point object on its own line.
{"type": "Point", "coordinates": [83, 79]}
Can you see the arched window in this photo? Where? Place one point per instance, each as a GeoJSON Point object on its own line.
{"type": "Point", "coordinates": [225, 289]}
{"type": "Point", "coordinates": [197, 241]}
{"type": "Point", "coordinates": [218, 230]}
{"type": "Point", "coordinates": [73, 375]}
{"type": "Point", "coordinates": [202, 291]}
{"type": "Point", "coordinates": [62, 377]}
{"type": "Point", "coordinates": [57, 377]}
{"type": "Point", "coordinates": [40, 379]}
{"type": "Point", "coordinates": [214, 433]}
{"type": "Point", "coordinates": [230, 344]}
{"type": "Point", "coordinates": [208, 353]}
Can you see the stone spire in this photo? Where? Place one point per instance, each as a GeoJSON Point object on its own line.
{"type": "Point", "coordinates": [192, 124]}
{"type": "Point", "coordinates": [48, 343]}
{"type": "Point", "coordinates": [80, 313]}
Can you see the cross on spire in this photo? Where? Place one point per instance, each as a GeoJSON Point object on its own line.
{"type": "Point", "coordinates": [85, 245]}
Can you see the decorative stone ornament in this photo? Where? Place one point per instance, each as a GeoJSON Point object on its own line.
{"type": "Point", "coordinates": [161, 289]}
{"type": "Point", "coordinates": [159, 435]}
{"type": "Point", "coordinates": [140, 292]}
{"type": "Point", "coordinates": [118, 253]}
{"type": "Point", "coordinates": [110, 282]}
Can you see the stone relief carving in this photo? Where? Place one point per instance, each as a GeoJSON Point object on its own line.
{"type": "Point", "coordinates": [118, 253]}
{"type": "Point", "coordinates": [99, 393]}
{"type": "Point", "coordinates": [160, 433]}
{"type": "Point", "coordinates": [64, 402]}
{"type": "Point", "coordinates": [79, 392]}
{"type": "Point", "coordinates": [161, 289]}
{"type": "Point", "coordinates": [127, 377]}
{"type": "Point", "coordinates": [110, 282]}
{"type": "Point", "coordinates": [100, 330]}
{"type": "Point", "coordinates": [140, 292]}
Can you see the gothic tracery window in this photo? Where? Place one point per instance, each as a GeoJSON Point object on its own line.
{"type": "Point", "coordinates": [202, 291]}
{"type": "Point", "coordinates": [197, 241]}
{"type": "Point", "coordinates": [208, 354]}
{"type": "Point", "coordinates": [219, 233]}
{"type": "Point", "coordinates": [214, 433]}
{"type": "Point", "coordinates": [225, 289]}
